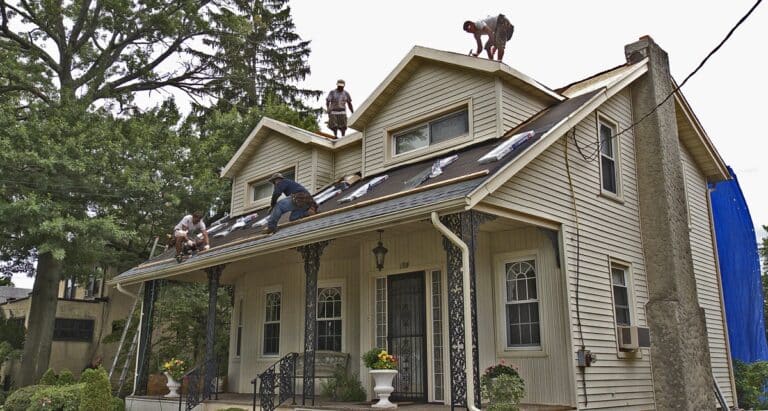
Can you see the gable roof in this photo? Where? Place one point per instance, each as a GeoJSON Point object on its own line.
{"type": "Point", "coordinates": [696, 140]}
{"type": "Point", "coordinates": [13, 293]}
{"type": "Point", "coordinates": [420, 55]}
{"type": "Point", "coordinates": [267, 125]}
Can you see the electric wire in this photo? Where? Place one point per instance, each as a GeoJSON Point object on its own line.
{"type": "Point", "coordinates": [599, 145]}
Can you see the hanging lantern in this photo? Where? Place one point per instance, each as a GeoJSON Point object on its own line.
{"type": "Point", "coordinates": [379, 252]}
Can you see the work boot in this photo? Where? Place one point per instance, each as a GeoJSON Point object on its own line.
{"type": "Point", "coordinates": [269, 230]}
{"type": "Point", "coordinates": [179, 258]}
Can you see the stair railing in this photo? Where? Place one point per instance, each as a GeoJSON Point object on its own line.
{"type": "Point", "coordinates": [279, 376]}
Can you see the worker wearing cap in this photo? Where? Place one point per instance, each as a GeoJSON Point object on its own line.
{"type": "Point", "coordinates": [336, 103]}
{"type": "Point", "coordinates": [297, 200]}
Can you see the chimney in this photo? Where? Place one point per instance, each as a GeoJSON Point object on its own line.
{"type": "Point", "coordinates": [682, 373]}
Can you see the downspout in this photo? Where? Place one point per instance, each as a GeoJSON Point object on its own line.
{"type": "Point", "coordinates": [469, 368]}
{"type": "Point", "coordinates": [126, 292]}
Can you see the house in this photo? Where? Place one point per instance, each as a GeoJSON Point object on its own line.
{"type": "Point", "coordinates": [85, 313]}
{"type": "Point", "coordinates": [541, 227]}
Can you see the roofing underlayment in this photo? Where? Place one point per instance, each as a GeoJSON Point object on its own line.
{"type": "Point", "coordinates": [411, 186]}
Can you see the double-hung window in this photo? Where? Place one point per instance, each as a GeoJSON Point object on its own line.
{"type": "Point", "coordinates": [621, 294]}
{"type": "Point", "coordinates": [521, 304]}
{"type": "Point", "coordinates": [609, 154]}
{"type": "Point", "coordinates": [432, 132]}
{"type": "Point", "coordinates": [329, 318]}
{"type": "Point", "coordinates": [272, 323]}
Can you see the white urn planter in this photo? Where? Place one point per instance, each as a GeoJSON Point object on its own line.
{"type": "Point", "coordinates": [173, 387]}
{"type": "Point", "coordinates": [383, 388]}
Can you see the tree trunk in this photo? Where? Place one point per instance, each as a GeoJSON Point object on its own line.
{"type": "Point", "coordinates": [42, 315]}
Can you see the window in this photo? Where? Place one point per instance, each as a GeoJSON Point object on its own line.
{"type": "Point", "coordinates": [381, 312]}
{"type": "Point", "coordinates": [432, 132]}
{"type": "Point", "coordinates": [263, 189]}
{"type": "Point", "coordinates": [329, 318]}
{"type": "Point", "coordinates": [437, 335]}
{"type": "Point", "coordinates": [239, 338]}
{"type": "Point", "coordinates": [272, 324]}
{"type": "Point", "coordinates": [93, 290]}
{"type": "Point", "coordinates": [67, 329]}
{"type": "Point", "coordinates": [69, 289]}
{"type": "Point", "coordinates": [621, 302]}
{"type": "Point", "coordinates": [609, 142]}
{"type": "Point", "coordinates": [521, 304]}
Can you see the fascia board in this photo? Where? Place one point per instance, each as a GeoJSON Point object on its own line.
{"type": "Point", "coordinates": [703, 138]}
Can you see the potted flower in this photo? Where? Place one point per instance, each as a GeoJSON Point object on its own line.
{"type": "Point", "coordinates": [174, 370]}
{"type": "Point", "coordinates": [503, 387]}
{"type": "Point", "coordinates": [382, 365]}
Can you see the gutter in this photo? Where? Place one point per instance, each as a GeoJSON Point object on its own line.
{"type": "Point", "coordinates": [469, 369]}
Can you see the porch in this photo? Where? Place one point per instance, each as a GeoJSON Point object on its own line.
{"type": "Point", "coordinates": [330, 297]}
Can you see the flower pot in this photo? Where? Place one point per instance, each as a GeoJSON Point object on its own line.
{"type": "Point", "coordinates": [173, 387]}
{"type": "Point", "coordinates": [383, 387]}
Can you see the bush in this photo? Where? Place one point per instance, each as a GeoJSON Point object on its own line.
{"type": "Point", "coordinates": [97, 392]}
{"type": "Point", "coordinates": [58, 398]}
{"type": "Point", "coordinates": [118, 404]}
{"type": "Point", "coordinates": [66, 378]}
{"type": "Point", "coordinates": [751, 382]}
{"type": "Point", "coordinates": [49, 378]}
{"type": "Point", "coordinates": [343, 387]}
{"type": "Point", "coordinates": [20, 399]}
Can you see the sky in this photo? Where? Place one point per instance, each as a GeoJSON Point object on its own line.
{"type": "Point", "coordinates": [558, 42]}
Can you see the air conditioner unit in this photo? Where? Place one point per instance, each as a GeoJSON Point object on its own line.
{"type": "Point", "coordinates": [632, 337]}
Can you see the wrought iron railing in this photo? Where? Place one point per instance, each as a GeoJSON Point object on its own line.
{"type": "Point", "coordinates": [279, 376]}
{"type": "Point", "coordinates": [191, 380]}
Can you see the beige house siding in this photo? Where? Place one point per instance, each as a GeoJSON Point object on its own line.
{"type": "Point", "coordinates": [275, 153]}
{"type": "Point", "coordinates": [517, 107]}
{"type": "Point", "coordinates": [323, 169]}
{"type": "Point", "coordinates": [609, 230]}
{"type": "Point", "coordinates": [704, 266]}
{"type": "Point", "coordinates": [430, 90]}
{"type": "Point", "coordinates": [347, 160]}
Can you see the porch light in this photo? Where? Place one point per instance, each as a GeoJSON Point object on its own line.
{"type": "Point", "coordinates": [380, 251]}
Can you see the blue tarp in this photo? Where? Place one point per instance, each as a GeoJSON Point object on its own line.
{"type": "Point", "coordinates": [740, 271]}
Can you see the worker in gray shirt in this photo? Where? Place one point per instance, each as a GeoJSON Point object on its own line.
{"type": "Point", "coordinates": [336, 103]}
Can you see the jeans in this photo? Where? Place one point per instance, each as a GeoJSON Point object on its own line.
{"type": "Point", "coordinates": [283, 206]}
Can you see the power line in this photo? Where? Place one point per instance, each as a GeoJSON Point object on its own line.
{"type": "Point", "coordinates": [599, 145]}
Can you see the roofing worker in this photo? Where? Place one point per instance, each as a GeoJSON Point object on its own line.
{"type": "Point", "coordinates": [498, 29]}
{"type": "Point", "coordinates": [191, 224]}
{"type": "Point", "coordinates": [336, 103]}
{"type": "Point", "coordinates": [297, 200]}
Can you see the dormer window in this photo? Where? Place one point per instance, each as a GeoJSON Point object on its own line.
{"type": "Point", "coordinates": [432, 132]}
{"type": "Point", "coordinates": [262, 189]}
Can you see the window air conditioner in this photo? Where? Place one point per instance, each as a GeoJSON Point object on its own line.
{"type": "Point", "coordinates": [633, 337]}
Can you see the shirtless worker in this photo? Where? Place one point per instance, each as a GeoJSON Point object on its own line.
{"type": "Point", "coordinates": [498, 29]}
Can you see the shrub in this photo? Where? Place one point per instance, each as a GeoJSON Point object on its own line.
{"type": "Point", "coordinates": [751, 384]}
{"type": "Point", "coordinates": [503, 386]}
{"type": "Point", "coordinates": [20, 399]}
{"type": "Point", "coordinates": [97, 392]}
{"type": "Point", "coordinates": [118, 404]}
{"type": "Point", "coordinates": [49, 378]}
{"type": "Point", "coordinates": [66, 378]}
{"type": "Point", "coordinates": [59, 398]}
{"type": "Point", "coordinates": [342, 386]}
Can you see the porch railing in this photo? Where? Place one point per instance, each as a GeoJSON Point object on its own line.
{"type": "Point", "coordinates": [192, 381]}
{"type": "Point", "coordinates": [279, 376]}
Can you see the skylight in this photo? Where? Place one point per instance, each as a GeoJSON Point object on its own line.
{"type": "Point", "coordinates": [506, 147]}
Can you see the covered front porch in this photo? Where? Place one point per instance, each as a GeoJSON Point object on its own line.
{"type": "Point", "coordinates": [302, 309]}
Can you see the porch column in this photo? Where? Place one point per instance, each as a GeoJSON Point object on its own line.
{"type": "Point", "coordinates": [209, 387]}
{"type": "Point", "coordinates": [464, 225]}
{"type": "Point", "coordinates": [145, 336]}
{"type": "Point", "coordinates": [310, 253]}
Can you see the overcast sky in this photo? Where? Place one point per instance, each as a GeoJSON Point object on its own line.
{"type": "Point", "coordinates": [558, 42]}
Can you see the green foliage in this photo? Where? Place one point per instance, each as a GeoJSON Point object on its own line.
{"type": "Point", "coordinates": [118, 404]}
{"type": "Point", "coordinates": [97, 392]}
{"type": "Point", "coordinates": [58, 398]}
{"type": "Point", "coordinates": [49, 378]}
{"type": "Point", "coordinates": [181, 311]}
{"type": "Point", "coordinates": [12, 332]}
{"type": "Point", "coordinates": [66, 378]}
{"type": "Point", "coordinates": [500, 369]}
{"type": "Point", "coordinates": [20, 399]}
{"type": "Point", "coordinates": [343, 387]}
{"type": "Point", "coordinates": [379, 359]}
{"type": "Point", "coordinates": [751, 382]}
{"type": "Point", "coordinates": [504, 391]}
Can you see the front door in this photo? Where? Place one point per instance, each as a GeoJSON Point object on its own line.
{"type": "Point", "coordinates": [407, 334]}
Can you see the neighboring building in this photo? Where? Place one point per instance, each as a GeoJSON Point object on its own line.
{"type": "Point", "coordinates": [586, 231]}
{"type": "Point", "coordinates": [85, 314]}
{"type": "Point", "coordinates": [13, 293]}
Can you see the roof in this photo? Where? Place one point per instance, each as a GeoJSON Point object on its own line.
{"type": "Point", "coordinates": [13, 293]}
{"type": "Point", "coordinates": [395, 199]}
{"type": "Point", "coordinates": [420, 55]}
{"type": "Point", "coordinates": [267, 125]}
